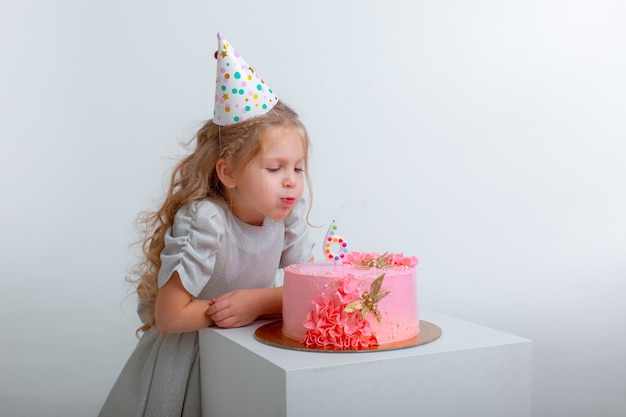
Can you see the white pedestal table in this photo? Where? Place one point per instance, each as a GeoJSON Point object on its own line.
{"type": "Point", "coordinates": [471, 370]}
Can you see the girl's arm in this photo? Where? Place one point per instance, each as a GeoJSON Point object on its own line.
{"type": "Point", "coordinates": [177, 311]}
{"type": "Point", "coordinates": [241, 307]}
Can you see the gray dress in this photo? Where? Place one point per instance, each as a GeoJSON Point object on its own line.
{"type": "Point", "coordinates": [214, 253]}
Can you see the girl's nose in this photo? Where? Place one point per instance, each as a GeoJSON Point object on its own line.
{"type": "Point", "coordinates": [289, 179]}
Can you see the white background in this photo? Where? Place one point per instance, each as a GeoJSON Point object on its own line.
{"type": "Point", "coordinates": [485, 137]}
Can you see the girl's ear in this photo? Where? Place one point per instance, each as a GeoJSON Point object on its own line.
{"type": "Point", "coordinates": [225, 173]}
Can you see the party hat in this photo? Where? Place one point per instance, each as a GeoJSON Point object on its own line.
{"type": "Point", "coordinates": [240, 93]}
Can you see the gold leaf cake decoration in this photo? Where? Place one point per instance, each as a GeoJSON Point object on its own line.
{"type": "Point", "coordinates": [382, 262]}
{"type": "Point", "coordinates": [369, 299]}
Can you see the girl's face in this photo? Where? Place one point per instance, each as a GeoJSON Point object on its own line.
{"type": "Point", "coordinates": [273, 182]}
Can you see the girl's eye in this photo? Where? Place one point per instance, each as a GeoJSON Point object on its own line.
{"type": "Point", "coordinates": [299, 169]}
{"type": "Point", "coordinates": [273, 169]}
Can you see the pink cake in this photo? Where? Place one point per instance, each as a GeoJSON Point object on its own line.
{"type": "Point", "coordinates": [363, 301]}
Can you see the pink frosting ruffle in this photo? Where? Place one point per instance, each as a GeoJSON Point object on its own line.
{"type": "Point", "coordinates": [329, 326]}
{"type": "Point", "coordinates": [393, 259]}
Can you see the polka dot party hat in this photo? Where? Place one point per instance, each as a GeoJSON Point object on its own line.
{"type": "Point", "coordinates": [240, 93]}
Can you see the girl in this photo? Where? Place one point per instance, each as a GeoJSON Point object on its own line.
{"type": "Point", "coordinates": [232, 216]}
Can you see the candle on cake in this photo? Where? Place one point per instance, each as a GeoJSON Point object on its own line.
{"type": "Point", "coordinates": [335, 246]}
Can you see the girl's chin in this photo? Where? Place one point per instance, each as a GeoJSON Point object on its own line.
{"type": "Point", "coordinates": [279, 215]}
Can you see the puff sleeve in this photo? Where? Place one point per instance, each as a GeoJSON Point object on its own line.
{"type": "Point", "coordinates": [297, 247]}
{"type": "Point", "coordinates": [191, 245]}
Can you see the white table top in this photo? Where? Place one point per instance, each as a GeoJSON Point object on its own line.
{"type": "Point", "coordinates": [457, 335]}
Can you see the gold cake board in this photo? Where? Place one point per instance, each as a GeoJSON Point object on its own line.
{"type": "Point", "coordinates": [272, 334]}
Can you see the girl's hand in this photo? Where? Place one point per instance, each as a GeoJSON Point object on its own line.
{"type": "Point", "coordinates": [241, 307]}
{"type": "Point", "coordinates": [234, 309]}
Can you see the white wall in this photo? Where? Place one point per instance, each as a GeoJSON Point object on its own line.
{"type": "Point", "coordinates": [485, 137]}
